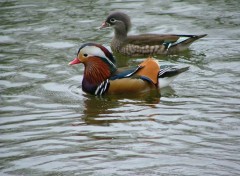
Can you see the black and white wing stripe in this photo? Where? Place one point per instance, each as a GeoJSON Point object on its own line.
{"type": "Point", "coordinates": [182, 38]}
{"type": "Point", "coordinates": [166, 68]}
{"type": "Point", "coordinates": [170, 71]}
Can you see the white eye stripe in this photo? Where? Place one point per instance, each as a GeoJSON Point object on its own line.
{"type": "Point", "coordinates": [95, 51]}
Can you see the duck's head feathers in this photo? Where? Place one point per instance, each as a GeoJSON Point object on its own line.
{"type": "Point", "coordinates": [98, 62]}
{"type": "Point", "coordinates": [94, 50]}
{"type": "Point", "coordinates": [118, 20]}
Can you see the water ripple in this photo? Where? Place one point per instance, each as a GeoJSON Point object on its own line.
{"type": "Point", "coordinates": [49, 126]}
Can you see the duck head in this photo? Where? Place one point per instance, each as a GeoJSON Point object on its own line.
{"type": "Point", "coordinates": [98, 62]}
{"type": "Point", "coordinates": [119, 21]}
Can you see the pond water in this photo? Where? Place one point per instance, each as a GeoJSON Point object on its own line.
{"type": "Point", "coordinates": [48, 126]}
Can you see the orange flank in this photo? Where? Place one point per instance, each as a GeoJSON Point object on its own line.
{"type": "Point", "coordinates": [149, 69]}
{"type": "Point", "coordinates": [101, 76]}
{"type": "Point", "coordinates": [129, 85]}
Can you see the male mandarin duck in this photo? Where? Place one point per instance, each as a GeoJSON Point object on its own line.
{"type": "Point", "coordinates": [101, 75]}
{"type": "Point", "coordinates": [144, 44]}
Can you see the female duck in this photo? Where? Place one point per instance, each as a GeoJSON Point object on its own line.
{"type": "Point", "coordinates": [144, 44]}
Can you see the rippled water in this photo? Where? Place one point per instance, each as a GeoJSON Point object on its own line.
{"type": "Point", "coordinates": [49, 126]}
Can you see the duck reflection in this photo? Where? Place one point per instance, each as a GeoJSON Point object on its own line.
{"type": "Point", "coordinates": [101, 110]}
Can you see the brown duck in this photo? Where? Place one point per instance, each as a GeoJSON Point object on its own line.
{"type": "Point", "coordinates": [144, 44]}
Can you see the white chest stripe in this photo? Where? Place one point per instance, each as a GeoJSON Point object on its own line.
{"type": "Point", "coordinates": [102, 88]}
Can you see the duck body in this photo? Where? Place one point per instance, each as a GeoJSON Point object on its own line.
{"type": "Point", "coordinates": [152, 44]}
{"type": "Point", "coordinates": [102, 77]}
{"type": "Point", "coordinates": [144, 44]}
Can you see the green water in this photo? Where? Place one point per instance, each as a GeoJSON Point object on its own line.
{"type": "Point", "coordinates": [48, 126]}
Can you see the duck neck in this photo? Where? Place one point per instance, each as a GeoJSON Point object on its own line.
{"type": "Point", "coordinates": [120, 32]}
{"type": "Point", "coordinates": [95, 74]}
{"type": "Point", "coordinates": [120, 35]}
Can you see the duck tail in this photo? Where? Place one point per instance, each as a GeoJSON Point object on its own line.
{"type": "Point", "coordinates": [192, 38]}
{"type": "Point", "coordinates": [184, 42]}
{"type": "Point", "coordinates": [168, 73]}
{"type": "Point", "coordinates": [171, 71]}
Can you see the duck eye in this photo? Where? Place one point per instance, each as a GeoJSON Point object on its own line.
{"type": "Point", "coordinates": [85, 55]}
{"type": "Point", "coordinates": [113, 20]}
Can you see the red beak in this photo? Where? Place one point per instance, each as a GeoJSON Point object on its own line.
{"type": "Point", "coordinates": [74, 61]}
{"type": "Point", "coordinates": [104, 25]}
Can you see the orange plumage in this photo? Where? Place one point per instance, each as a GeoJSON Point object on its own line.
{"type": "Point", "coordinates": [101, 75]}
{"type": "Point", "coordinates": [150, 69]}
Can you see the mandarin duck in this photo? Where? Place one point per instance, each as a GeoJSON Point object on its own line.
{"type": "Point", "coordinates": [101, 75]}
{"type": "Point", "coordinates": [144, 44]}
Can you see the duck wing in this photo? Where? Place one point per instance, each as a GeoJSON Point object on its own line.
{"type": "Point", "coordinates": [139, 78]}
{"type": "Point", "coordinates": [158, 39]}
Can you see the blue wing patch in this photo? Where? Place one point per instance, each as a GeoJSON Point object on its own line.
{"type": "Point", "coordinates": [126, 74]}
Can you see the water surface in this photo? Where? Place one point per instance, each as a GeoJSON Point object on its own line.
{"type": "Point", "coordinates": [49, 126]}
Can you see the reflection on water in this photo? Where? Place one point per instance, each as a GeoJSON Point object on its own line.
{"type": "Point", "coordinates": [105, 107]}
{"type": "Point", "coordinates": [49, 126]}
